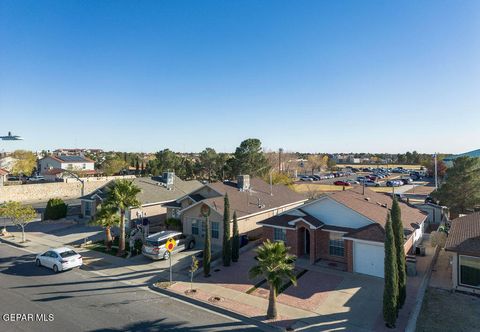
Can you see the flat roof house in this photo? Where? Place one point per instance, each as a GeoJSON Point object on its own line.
{"type": "Point", "coordinates": [254, 200]}
{"type": "Point", "coordinates": [155, 193]}
{"type": "Point", "coordinates": [344, 228]}
{"type": "Point", "coordinates": [464, 242]}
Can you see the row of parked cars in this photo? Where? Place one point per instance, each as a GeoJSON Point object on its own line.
{"type": "Point", "coordinates": [318, 177]}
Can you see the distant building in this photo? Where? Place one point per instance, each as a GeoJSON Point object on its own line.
{"type": "Point", "coordinates": [473, 154]}
{"type": "Point", "coordinates": [3, 176]}
{"type": "Point", "coordinates": [72, 163]}
{"type": "Point", "coordinates": [76, 152]}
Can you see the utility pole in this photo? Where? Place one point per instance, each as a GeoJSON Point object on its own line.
{"type": "Point", "coordinates": [280, 160]}
{"type": "Point", "coordinates": [436, 172]}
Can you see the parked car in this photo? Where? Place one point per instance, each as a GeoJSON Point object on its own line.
{"type": "Point", "coordinates": [406, 180]}
{"type": "Point", "coordinates": [305, 178]}
{"type": "Point", "coordinates": [155, 249]}
{"type": "Point", "coordinates": [370, 183]}
{"type": "Point", "coordinates": [315, 177]}
{"type": "Point", "coordinates": [394, 183]}
{"type": "Point", "coordinates": [352, 181]}
{"type": "Point", "coordinates": [341, 183]}
{"type": "Point", "coordinates": [36, 178]}
{"type": "Point", "coordinates": [59, 259]}
{"type": "Point", "coordinates": [13, 178]}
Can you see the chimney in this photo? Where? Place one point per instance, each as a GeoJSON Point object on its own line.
{"type": "Point", "coordinates": [167, 179]}
{"type": "Point", "coordinates": [243, 182]}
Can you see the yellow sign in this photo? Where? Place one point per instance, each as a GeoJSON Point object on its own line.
{"type": "Point", "coordinates": [171, 244]}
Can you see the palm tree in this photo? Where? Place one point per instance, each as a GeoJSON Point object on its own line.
{"type": "Point", "coordinates": [277, 266]}
{"type": "Point", "coordinates": [107, 218]}
{"type": "Point", "coordinates": [122, 194]}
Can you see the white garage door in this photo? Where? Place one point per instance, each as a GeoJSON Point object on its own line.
{"type": "Point", "coordinates": [368, 258]}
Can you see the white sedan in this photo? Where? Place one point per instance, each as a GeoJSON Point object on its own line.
{"type": "Point", "coordinates": [59, 259]}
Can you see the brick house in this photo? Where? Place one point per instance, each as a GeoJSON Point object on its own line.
{"type": "Point", "coordinates": [464, 243]}
{"type": "Point", "coordinates": [253, 200]}
{"type": "Point", "coordinates": [345, 228]}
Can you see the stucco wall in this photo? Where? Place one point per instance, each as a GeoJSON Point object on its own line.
{"type": "Point", "coordinates": [45, 191]}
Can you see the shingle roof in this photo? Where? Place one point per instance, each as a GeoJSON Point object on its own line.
{"type": "Point", "coordinates": [375, 206]}
{"type": "Point", "coordinates": [464, 235]}
{"type": "Point", "coordinates": [373, 232]}
{"type": "Point", "coordinates": [284, 220]}
{"type": "Point", "coordinates": [71, 159]}
{"type": "Point", "coordinates": [255, 200]}
{"type": "Point", "coordinates": [153, 191]}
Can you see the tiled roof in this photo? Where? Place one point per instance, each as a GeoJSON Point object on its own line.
{"type": "Point", "coordinates": [255, 200]}
{"type": "Point", "coordinates": [464, 235]}
{"type": "Point", "coordinates": [3, 171]}
{"type": "Point", "coordinates": [375, 206]}
{"type": "Point", "coordinates": [71, 159]}
{"type": "Point", "coordinates": [284, 220]}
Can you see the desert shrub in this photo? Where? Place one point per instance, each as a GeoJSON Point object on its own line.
{"type": "Point", "coordinates": [56, 209]}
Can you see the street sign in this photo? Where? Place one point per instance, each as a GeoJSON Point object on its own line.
{"type": "Point", "coordinates": [171, 244]}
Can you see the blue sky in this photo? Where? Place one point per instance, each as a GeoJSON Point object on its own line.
{"type": "Point", "coordinates": [317, 76]}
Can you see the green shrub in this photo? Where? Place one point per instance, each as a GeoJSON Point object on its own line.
{"type": "Point", "coordinates": [56, 209]}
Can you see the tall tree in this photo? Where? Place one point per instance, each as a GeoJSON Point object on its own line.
{"type": "Point", "coordinates": [461, 189]}
{"type": "Point", "coordinates": [276, 265]}
{"type": "Point", "coordinates": [235, 239]}
{"type": "Point", "coordinates": [390, 290]}
{"type": "Point", "coordinates": [227, 245]}
{"type": "Point", "coordinates": [113, 165]}
{"type": "Point", "coordinates": [399, 236]}
{"type": "Point", "coordinates": [122, 194]}
{"type": "Point", "coordinates": [207, 250]}
{"type": "Point", "coordinates": [208, 162]}
{"type": "Point", "coordinates": [249, 159]}
{"type": "Point", "coordinates": [25, 162]}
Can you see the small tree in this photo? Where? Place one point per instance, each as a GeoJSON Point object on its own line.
{"type": "Point", "coordinates": [398, 232]}
{"type": "Point", "coordinates": [107, 217]}
{"type": "Point", "coordinates": [390, 290]}
{"type": "Point", "coordinates": [192, 270]}
{"type": "Point", "coordinates": [19, 215]}
{"type": "Point", "coordinates": [235, 239]}
{"type": "Point", "coordinates": [226, 246]}
{"type": "Point", "coordinates": [122, 194]}
{"type": "Point", "coordinates": [276, 265]}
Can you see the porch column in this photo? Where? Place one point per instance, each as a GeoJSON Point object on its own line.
{"type": "Point", "coordinates": [313, 241]}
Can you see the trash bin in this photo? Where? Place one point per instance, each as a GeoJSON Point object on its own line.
{"type": "Point", "coordinates": [411, 262]}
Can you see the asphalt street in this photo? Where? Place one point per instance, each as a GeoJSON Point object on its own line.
{"type": "Point", "coordinates": [81, 300]}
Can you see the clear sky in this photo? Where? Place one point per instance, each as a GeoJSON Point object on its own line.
{"type": "Point", "coordinates": [312, 76]}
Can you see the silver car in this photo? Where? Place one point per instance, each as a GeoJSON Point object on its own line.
{"type": "Point", "coordinates": [154, 247]}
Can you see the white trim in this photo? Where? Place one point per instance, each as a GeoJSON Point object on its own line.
{"type": "Point", "coordinates": [293, 222]}
{"type": "Point", "coordinates": [332, 231]}
{"type": "Point", "coordinates": [459, 279]}
{"type": "Point", "coordinates": [272, 209]}
{"type": "Point", "coordinates": [281, 227]}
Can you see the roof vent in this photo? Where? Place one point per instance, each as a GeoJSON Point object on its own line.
{"type": "Point", "coordinates": [384, 205]}
{"type": "Point", "coordinates": [367, 199]}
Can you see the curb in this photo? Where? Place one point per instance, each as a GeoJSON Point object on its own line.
{"type": "Point", "coordinates": [13, 243]}
{"type": "Point", "coordinates": [211, 307]}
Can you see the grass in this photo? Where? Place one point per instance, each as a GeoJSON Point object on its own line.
{"type": "Point", "coordinates": [445, 311]}
{"type": "Point", "coordinates": [307, 188]}
{"type": "Point", "coordinates": [100, 247]}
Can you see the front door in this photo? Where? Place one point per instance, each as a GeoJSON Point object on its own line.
{"type": "Point", "coordinates": [307, 241]}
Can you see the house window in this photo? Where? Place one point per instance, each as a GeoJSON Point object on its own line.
{"type": "Point", "coordinates": [336, 247]}
{"type": "Point", "coordinates": [279, 234]}
{"type": "Point", "coordinates": [84, 166]}
{"type": "Point", "coordinates": [195, 227]}
{"type": "Point", "coordinates": [70, 166]}
{"type": "Point", "coordinates": [215, 231]}
{"type": "Point", "coordinates": [470, 271]}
